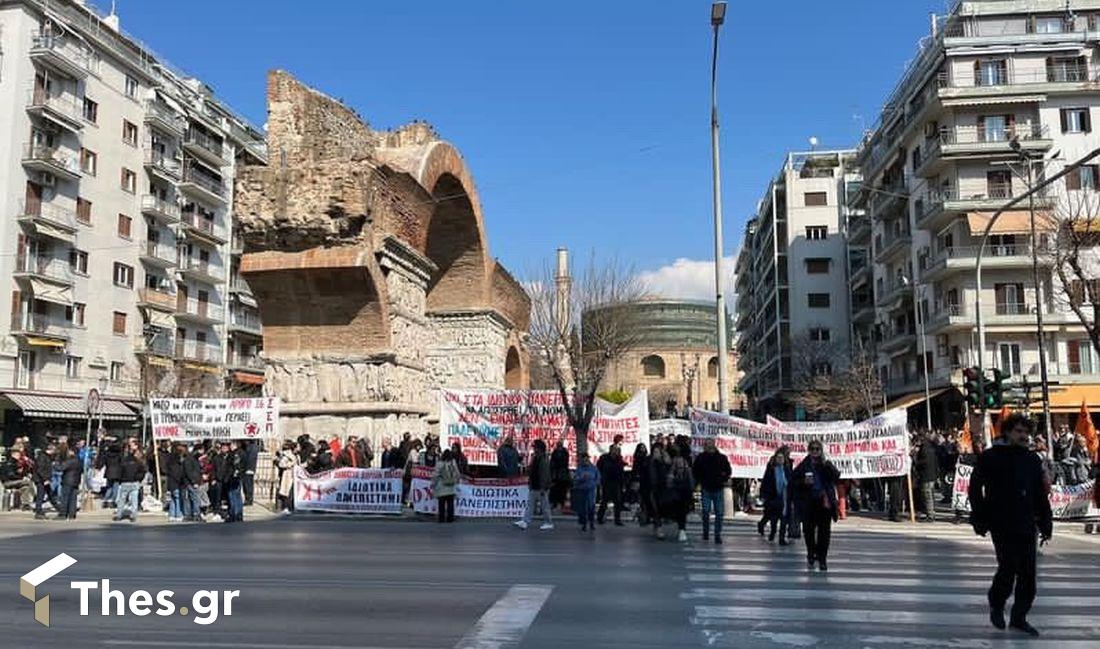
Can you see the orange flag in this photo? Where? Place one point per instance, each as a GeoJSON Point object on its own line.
{"type": "Point", "coordinates": [966, 444]}
{"type": "Point", "coordinates": [1085, 428]}
{"type": "Point", "coordinates": [1000, 418]}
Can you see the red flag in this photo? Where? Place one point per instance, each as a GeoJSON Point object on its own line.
{"type": "Point", "coordinates": [966, 444]}
{"type": "Point", "coordinates": [1085, 428]}
{"type": "Point", "coordinates": [1000, 418]}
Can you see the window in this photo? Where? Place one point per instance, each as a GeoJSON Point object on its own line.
{"type": "Point", "coordinates": [72, 367]}
{"type": "Point", "coordinates": [1084, 177]}
{"type": "Point", "coordinates": [818, 300]}
{"type": "Point", "coordinates": [1009, 354]}
{"type": "Point", "coordinates": [83, 211]}
{"type": "Point", "coordinates": [712, 367]}
{"type": "Point", "coordinates": [819, 334]}
{"type": "Point", "coordinates": [1010, 299]}
{"type": "Point", "coordinates": [817, 232]}
{"type": "Point", "coordinates": [816, 199]}
{"type": "Point", "coordinates": [124, 275]}
{"type": "Point", "coordinates": [78, 261]}
{"type": "Point", "coordinates": [91, 110]}
{"type": "Point", "coordinates": [131, 87]}
{"type": "Point", "coordinates": [992, 72]}
{"type": "Point", "coordinates": [75, 314]}
{"type": "Point", "coordinates": [88, 160]}
{"type": "Point", "coordinates": [1081, 293]}
{"type": "Point", "coordinates": [1080, 356]}
{"type": "Point", "coordinates": [995, 128]}
{"type": "Point", "coordinates": [129, 181]}
{"type": "Point", "coordinates": [1048, 25]}
{"type": "Point", "coordinates": [118, 326]}
{"type": "Point", "coordinates": [116, 371]}
{"type": "Point", "coordinates": [653, 366]}
{"type": "Point", "coordinates": [1076, 120]}
{"type": "Point", "coordinates": [129, 132]}
{"type": "Point", "coordinates": [818, 265]}
{"type": "Point", "coordinates": [999, 183]}
{"type": "Point", "coordinates": [1063, 69]}
{"type": "Point", "coordinates": [125, 224]}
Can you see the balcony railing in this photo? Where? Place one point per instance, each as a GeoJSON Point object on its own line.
{"type": "Point", "coordinates": [73, 57]}
{"type": "Point", "coordinates": [1005, 77]}
{"type": "Point", "coordinates": [203, 224]}
{"type": "Point", "coordinates": [243, 320]}
{"type": "Point", "coordinates": [156, 111]}
{"type": "Point", "coordinates": [163, 162]}
{"type": "Point", "coordinates": [211, 185]}
{"type": "Point", "coordinates": [51, 155]}
{"type": "Point", "coordinates": [194, 350]}
{"type": "Point", "coordinates": [159, 344]}
{"type": "Point", "coordinates": [251, 362]}
{"type": "Point", "coordinates": [205, 142]}
{"type": "Point", "coordinates": [63, 104]}
{"type": "Point", "coordinates": [39, 323]}
{"type": "Point", "coordinates": [46, 211]}
{"type": "Point", "coordinates": [190, 264]}
{"type": "Point", "coordinates": [48, 267]}
{"type": "Point", "coordinates": [151, 203]}
{"type": "Point", "coordinates": [200, 309]}
{"type": "Point", "coordinates": [237, 283]}
{"type": "Point", "coordinates": [975, 135]}
{"type": "Point", "coordinates": [163, 299]}
{"type": "Point", "coordinates": [159, 250]}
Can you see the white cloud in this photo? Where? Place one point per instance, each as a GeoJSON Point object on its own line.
{"type": "Point", "coordinates": [691, 279]}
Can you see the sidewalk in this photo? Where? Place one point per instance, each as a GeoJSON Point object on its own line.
{"type": "Point", "coordinates": [15, 524]}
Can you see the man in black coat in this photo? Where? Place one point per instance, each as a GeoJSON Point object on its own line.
{"type": "Point", "coordinates": [928, 470]}
{"type": "Point", "coordinates": [251, 459]}
{"type": "Point", "coordinates": [1009, 498]}
{"type": "Point", "coordinates": [43, 473]}
{"type": "Point", "coordinates": [813, 483]}
{"type": "Point", "coordinates": [612, 470]}
{"type": "Point", "coordinates": [712, 471]}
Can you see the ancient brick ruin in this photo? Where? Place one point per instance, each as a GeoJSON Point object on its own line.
{"type": "Point", "coordinates": [367, 253]}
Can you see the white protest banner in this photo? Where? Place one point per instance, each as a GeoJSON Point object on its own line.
{"type": "Point", "coordinates": [474, 498]}
{"type": "Point", "coordinates": [356, 491]}
{"type": "Point", "coordinates": [480, 420]}
{"type": "Point", "coordinates": [192, 420]}
{"type": "Point", "coordinates": [875, 448]}
{"type": "Point", "coordinates": [669, 427]}
{"type": "Point", "coordinates": [1066, 501]}
{"type": "Point", "coordinates": [808, 426]}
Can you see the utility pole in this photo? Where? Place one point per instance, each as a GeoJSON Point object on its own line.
{"type": "Point", "coordinates": [717, 17]}
{"type": "Point", "coordinates": [1040, 334]}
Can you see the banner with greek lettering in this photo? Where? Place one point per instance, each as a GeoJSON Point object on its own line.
{"type": "Point", "coordinates": [1066, 501]}
{"type": "Point", "coordinates": [875, 448]}
{"type": "Point", "coordinates": [355, 491]}
{"type": "Point", "coordinates": [669, 427]}
{"type": "Point", "coordinates": [192, 420]}
{"type": "Point", "coordinates": [474, 498]}
{"type": "Point", "coordinates": [808, 425]}
{"type": "Point", "coordinates": [480, 420]}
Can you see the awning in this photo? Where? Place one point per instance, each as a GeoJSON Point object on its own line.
{"type": "Point", "coordinates": [45, 342]}
{"type": "Point", "coordinates": [248, 379]}
{"type": "Point", "coordinates": [992, 101]}
{"type": "Point", "coordinates": [1012, 222]}
{"type": "Point", "coordinates": [52, 406]}
{"type": "Point", "coordinates": [47, 230]}
{"type": "Point", "coordinates": [161, 319]}
{"type": "Point", "coordinates": [913, 398]}
{"type": "Point", "coordinates": [208, 369]}
{"type": "Point", "coordinates": [51, 292]}
{"type": "Point", "coordinates": [1068, 398]}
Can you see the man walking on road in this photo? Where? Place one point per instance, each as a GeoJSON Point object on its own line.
{"type": "Point", "coordinates": [928, 470]}
{"type": "Point", "coordinates": [712, 471]}
{"type": "Point", "coordinates": [1009, 499]}
{"type": "Point", "coordinates": [612, 471]}
{"type": "Point", "coordinates": [538, 485]}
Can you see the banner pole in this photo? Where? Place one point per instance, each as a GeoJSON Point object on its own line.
{"type": "Point", "coordinates": [909, 486]}
{"type": "Point", "coordinates": [156, 463]}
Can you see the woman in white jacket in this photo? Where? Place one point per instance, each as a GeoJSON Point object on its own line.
{"type": "Point", "coordinates": [286, 461]}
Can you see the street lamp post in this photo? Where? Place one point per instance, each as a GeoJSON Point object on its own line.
{"type": "Point", "coordinates": [717, 17]}
{"type": "Point", "coordinates": [923, 354]}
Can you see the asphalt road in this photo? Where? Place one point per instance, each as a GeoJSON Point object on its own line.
{"type": "Point", "coordinates": [336, 583]}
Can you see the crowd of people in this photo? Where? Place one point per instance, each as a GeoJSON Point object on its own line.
{"type": "Point", "coordinates": [212, 480]}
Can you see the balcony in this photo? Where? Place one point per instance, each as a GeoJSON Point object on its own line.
{"type": "Point", "coordinates": [203, 187]}
{"type": "Point", "coordinates": [863, 311]}
{"type": "Point", "coordinates": [245, 322]}
{"type": "Point", "coordinates": [938, 208]}
{"type": "Point", "coordinates": [199, 312]}
{"type": "Point", "coordinates": [166, 212]}
{"type": "Point", "coordinates": [952, 317]}
{"type": "Point", "coordinates": [898, 242]}
{"type": "Point", "coordinates": [40, 325]}
{"type": "Point", "coordinates": [153, 299]}
{"type": "Point", "coordinates": [897, 341]}
{"type": "Point", "coordinates": [49, 220]}
{"type": "Point", "coordinates": [204, 147]}
{"type": "Point", "coordinates": [859, 229]}
{"type": "Point", "coordinates": [202, 271]}
{"type": "Point", "coordinates": [238, 285]}
{"type": "Point", "coordinates": [1036, 83]}
{"type": "Point", "coordinates": [50, 269]}
{"type": "Point", "coordinates": [891, 198]}
{"type": "Point", "coordinates": [860, 275]}
{"type": "Point", "coordinates": [163, 165]}
{"type": "Point", "coordinates": [246, 362]}
{"type": "Point", "coordinates": [155, 345]}
{"type": "Point", "coordinates": [156, 253]}
{"type": "Point", "coordinates": [51, 160]}
{"type": "Point", "coordinates": [62, 54]}
{"type": "Point", "coordinates": [948, 261]}
{"type": "Point", "coordinates": [893, 293]}
{"type": "Point", "coordinates": [58, 109]}
{"type": "Point", "coordinates": [198, 351]}
{"type": "Point", "coordinates": [163, 118]}
{"type": "Point", "coordinates": [970, 142]}
{"type": "Point", "coordinates": [204, 228]}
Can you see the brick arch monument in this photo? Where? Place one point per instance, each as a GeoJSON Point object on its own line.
{"type": "Point", "coordinates": [367, 254]}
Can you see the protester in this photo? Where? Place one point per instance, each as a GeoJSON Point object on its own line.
{"type": "Point", "coordinates": [612, 472]}
{"type": "Point", "coordinates": [774, 490]}
{"type": "Point", "coordinates": [659, 465]}
{"type": "Point", "coordinates": [16, 474]}
{"type": "Point", "coordinates": [69, 464]}
{"type": "Point", "coordinates": [460, 458]}
{"type": "Point", "coordinates": [559, 475]}
{"type": "Point", "coordinates": [250, 456]}
{"type": "Point", "coordinates": [677, 495]}
{"type": "Point", "coordinates": [43, 481]}
{"type": "Point", "coordinates": [131, 473]}
{"type": "Point", "coordinates": [109, 459]}
{"type": "Point", "coordinates": [508, 458]}
{"type": "Point", "coordinates": [351, 455]}
{"type": "Point", "coordinates": [712, 471]}
{"type": "Point", "coordinates": [814, 483]}
{"type": "Point", "coordinates": [174, 481]}
{"type": "Point", "coordinates": [538, 485]}
{"type": "Point", "coordinates": [190, 485]}
{"type": "Point", "coordinates": [286, 461]}
{"type": "Point", "coordinates": [585, 480]}
{"type": "Point", "coordinates": [644, 479]}
{"type": "Point", "coordinates": [444, 485]}
{"type": "Point", "coordinates": [1009, 499]}
{"type": "Point", "coordinates": [321, 460]}
{"type": "Point", "coordinates": [431, 454]}
{"type": "Point", "coordinates": [234, 470]}
{"type": "Point", "coordinates": [928, 472]}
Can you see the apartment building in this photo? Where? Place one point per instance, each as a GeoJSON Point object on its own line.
{"type": "Point", "coordinates": [994, 81]}
{"type": "Point", "coordinates": [792, 280]}
{"type": "Point", "coordinates": [116, 178]}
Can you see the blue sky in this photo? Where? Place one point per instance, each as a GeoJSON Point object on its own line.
{"type": "Point", "coordinates": [585, 122]}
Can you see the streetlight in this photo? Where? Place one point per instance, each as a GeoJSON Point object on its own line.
{"type": "Point", "coordinates": [923, 352]}
{"type": "Point", "coordinates": [717, 17]}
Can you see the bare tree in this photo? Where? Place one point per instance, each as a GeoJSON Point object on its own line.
{"type": "Point", "coordinates": [579, 329]}
{"type": "Point", "coordinates": [830, 382]}
{"type": "Point", "coordinates": [1073, 248]}
{"type": "Point", "coordinates": [864, 383]}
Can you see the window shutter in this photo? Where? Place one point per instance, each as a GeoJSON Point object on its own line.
{"type": "Point", "coordinates": [999, 291]}
{"type": "Point", "coordinates": [1010, 125]}
{"type": "Point", "coordinates": [1086, 120]}
{"type": "Point", "coordinates": [1050, 69]}
{"type": "Point", "coordinates": [1095, 171]}
{"type": "Point", "coordinates": [978, 73]}
{"type": "Point", "coordinates": [1064, 114]}
{"type": "Point", "coordinates": [1073, 351]}
{"type": "Point", "coordinates": [1031, 24]}
{"type": "Point", "coordinates": [16, 301]}
{"type": "Point", "coordinates": [981, 128]}
{"type": "Point", "coordinates": [1073, 180]}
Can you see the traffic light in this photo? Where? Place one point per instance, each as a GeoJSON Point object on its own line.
{"type": "Point", "coordinates": [973, 387]}
{"type": "Point", "coordinates": [996, 389]}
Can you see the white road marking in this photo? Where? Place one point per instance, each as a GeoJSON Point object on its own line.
{"type": "Point", "coordinates": [505, 623]}
{"type": "Point", "coordinates": [881, 569]}
{"type": "Point", "coordinates": [815, 577]}
{"type": "Point", "coordinates": [229, 645]}
{"type": "Point", "coordinates": [834, 595]}
{"type": "Point", "coordinates": [707, 614]}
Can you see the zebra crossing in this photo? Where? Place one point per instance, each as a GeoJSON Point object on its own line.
{"type": "Point", "coordinates": [905, 586]}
